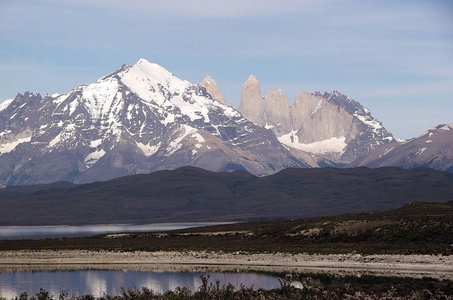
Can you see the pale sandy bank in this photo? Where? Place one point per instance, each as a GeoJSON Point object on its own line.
{"type": "Point", "coordinates": [392, 265]}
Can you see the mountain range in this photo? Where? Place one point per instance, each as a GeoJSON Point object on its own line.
{"type": "Point", "coordinates": [141, 118]}
{"type": "Point", "coordinates": [335, 129]}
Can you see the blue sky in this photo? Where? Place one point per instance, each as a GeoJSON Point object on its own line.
{"type": "Point", "coordinates": [394, 57]}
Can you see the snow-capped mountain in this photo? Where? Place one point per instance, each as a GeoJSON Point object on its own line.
{"type": "Point", "coordinates": [433, 149]}
{"type": "Point", "coordinates": [335, 129]}
{"type": "Point", "coordinates": [138, 119]}
{"type": "Point", "coordinates": [141, 118]}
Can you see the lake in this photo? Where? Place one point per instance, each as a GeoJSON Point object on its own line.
{"type": "Point", "coordinates": [99, 282]}
{"type": "Point", "coordinates": [43, 232]}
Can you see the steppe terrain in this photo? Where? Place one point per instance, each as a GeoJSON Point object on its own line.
{"type": "Point", "coordinates": [414, 240]}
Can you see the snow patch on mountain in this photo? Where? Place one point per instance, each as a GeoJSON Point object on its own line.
{"type": "Point", "coordinates": [169, 118]}
{"type": "Point", "coordinates": [420, 151]}
{"type": "Point", "coordinates": [198, 137]}
{"type": "Point", "coordinates": [95, 143]}
{"type": "Point", "coordinates": [93, 157]}
{"type": "Point", "coordinates": [145, 79]}
{"type": "Point", "coordinates": [318, 106]}
{"type": "Point", "coordinates": [369, 120]}
{"type": "Point", "coordinates": [66, 135]}
{"type": "Point", "coordinates": [447, 127]}
{"type": "Point", "coordinates": [387, 151]}
{"type": "Point", "coordinates": [148, 149]}
{"type": "Point", "coordinates": [400, 140]}
{"type": "Point", "coordinates": [98, 98]}
{"type": "Point", "coordinates": [194, 110]}
{"type": "Point", "coordinates": [332, 145]}
{"type": "Point", "coordinates": [5, 104]}
{"type": "Point", "coordinates": [433, 131]}
{"type": "Point", "coordinates": [176, 144]}
{"type": "Point", "coordinates": [61, 97]}
{"type": "Point", "coordinates": [8, 147]}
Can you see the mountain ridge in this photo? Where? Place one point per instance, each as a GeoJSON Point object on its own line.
{"type": "Point", "coordinates": [192, 194]}
{"type": "Point", "coordinates": [141, 118]}
{"type": "Point", "coordinates": [333, 127]}
{"type": "Point", "coordinates": [137, 119]}
{"type": "Point", "coordinates": [433, 149]}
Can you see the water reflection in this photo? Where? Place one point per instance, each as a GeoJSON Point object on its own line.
{"type": "Point", "coordinates": [42, 232]}
{"type": "Point", "coordinates": [98, 282]}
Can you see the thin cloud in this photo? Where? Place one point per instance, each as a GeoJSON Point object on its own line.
{"type": "Point", "coordinates": [209, 8]}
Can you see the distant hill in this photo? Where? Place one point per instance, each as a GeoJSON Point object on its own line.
{"type": "Point", "coordinates": [432, 149]}
{"type": "Point", "coordinates": [193, 194]}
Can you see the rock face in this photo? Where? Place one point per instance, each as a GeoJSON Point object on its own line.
{"type": "Point", "coordinates": [276, 112]}
{"type": "Point", "coordinates": [332, 127]}
{"type": "Point", "coordinates": [212, 89]}
{"type": "Point", "coordinates": [271, 111]}
{"type": "Point", "coordinates": [432, 149]}
{"type": "Point", "coordinates": [138, 119]}
{"type": "Point", "coordinates": [252, 104]}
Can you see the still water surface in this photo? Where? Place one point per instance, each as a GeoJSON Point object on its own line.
{"type": "Point", "coordinates": [43, 232]}
{"type": "Point", "coordinates": [98, 282]}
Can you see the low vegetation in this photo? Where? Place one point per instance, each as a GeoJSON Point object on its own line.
{"type": "Point", "coordinates": [416, 228]}
{"type": "Point", "coordinates": [292, 286]}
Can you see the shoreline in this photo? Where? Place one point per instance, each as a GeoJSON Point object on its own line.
{"type": "Point", "coordinates": [416, 266]}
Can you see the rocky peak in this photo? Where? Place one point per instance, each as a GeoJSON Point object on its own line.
{"type": "Point", "coordinates": [332, 126]}
{"type": "Point", "coordinates": [28, 96]}
{"type": "Point", "coordinates": [305, 106]}
{"type": "Point", "coordinates": [344, 102]}
{"type": "Point", "coordinates": [149, 81]}
{"type": "Point", "coordinates": [251, 105]}
{"type": "Point", "coordinates": [252, 79]}
{"type": "Point", "coordinates": [432, 149]}
{"type": "Point", "coordinates": [277, 111]}
{"type": "Point", "coordinates": [13, 106]}
{"type": "Point", "coordinates": [278, 95]}
{"type": "Point", "coordinates": [211, 87]}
